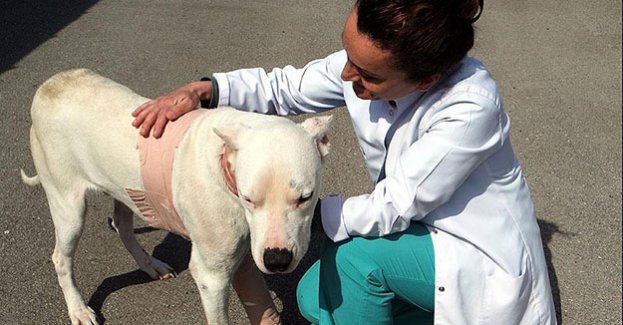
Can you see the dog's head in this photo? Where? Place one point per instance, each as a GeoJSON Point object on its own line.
{"type": "Point", "coordinates": [275, 168]}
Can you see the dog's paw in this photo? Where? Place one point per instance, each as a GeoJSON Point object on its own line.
{"type": "Point", "coordinates": [83, 316]}
{"type": "Point", "coordinates": [158, 269]}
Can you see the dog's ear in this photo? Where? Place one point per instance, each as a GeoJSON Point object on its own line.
{"type": "Point", "coordinates": [318, 127]}
{"type": "Point", "coordinates": [230, 134]}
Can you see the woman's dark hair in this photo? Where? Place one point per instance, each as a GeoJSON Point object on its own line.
{"type": "Point", "coordinates": [425, 37]}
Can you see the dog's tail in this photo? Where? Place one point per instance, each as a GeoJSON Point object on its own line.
{"type": "Point", "coordinates": [30, 181]}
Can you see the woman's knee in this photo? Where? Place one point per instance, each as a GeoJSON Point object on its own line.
{"type": "Point", "coordinates": [352, 258]}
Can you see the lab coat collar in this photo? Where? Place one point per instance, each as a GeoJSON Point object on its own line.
{"type": "Point", "coordinates": [408, 101]}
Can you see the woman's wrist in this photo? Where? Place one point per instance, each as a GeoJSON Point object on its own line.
{"type": "Point", "coordinates": [203, 89]}
{"type": "Point", "coordinates": [211, 98]}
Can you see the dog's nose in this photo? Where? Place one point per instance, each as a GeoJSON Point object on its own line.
{"type": "Point", "coordinates": [277, 259]}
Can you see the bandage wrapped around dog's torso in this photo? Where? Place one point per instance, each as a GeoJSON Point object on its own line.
{"type": "Point", "coordinates": [156, 156]}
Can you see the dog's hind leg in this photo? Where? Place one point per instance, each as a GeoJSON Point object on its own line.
{"type": "Point", "coordinates": [67, 209]}
{"type": "Point", "coordinates": [124, 223]}
{"type": "Point", "coordinates": [66, 199]}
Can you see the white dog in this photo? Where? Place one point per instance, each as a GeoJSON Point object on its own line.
{"type": "Point", "coordinates": [236, 180]}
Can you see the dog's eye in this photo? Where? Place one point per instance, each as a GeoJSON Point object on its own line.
{"type": "Point", "coordinates": [304, 198]}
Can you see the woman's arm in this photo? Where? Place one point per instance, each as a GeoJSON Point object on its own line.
{"type": "Point", "coordinates": [458, 139]}
{"type": "Point", "coordinates": [313, 88]}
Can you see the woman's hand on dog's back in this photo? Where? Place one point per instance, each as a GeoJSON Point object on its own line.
{"type": "Point", "coordinates": [153, 116]}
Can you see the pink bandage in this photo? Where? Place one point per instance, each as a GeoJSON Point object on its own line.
{"type": "Point", "coordinates": [156, 156]}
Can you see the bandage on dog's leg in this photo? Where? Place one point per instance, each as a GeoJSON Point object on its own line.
{"type": "Point", "coordinates": [254, 295]}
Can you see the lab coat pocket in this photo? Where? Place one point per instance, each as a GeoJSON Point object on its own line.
{"type": "Point", "coordinates": [506, 298]}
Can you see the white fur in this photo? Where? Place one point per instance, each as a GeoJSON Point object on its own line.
{"type": "Point", "coordinates": [82, 139]}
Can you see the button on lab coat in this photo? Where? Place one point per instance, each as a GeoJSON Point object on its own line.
{"type": "Point", "coordinates": [448, 162]}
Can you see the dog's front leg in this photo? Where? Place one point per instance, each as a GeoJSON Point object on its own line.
{"type": "Point", "coordinates": [212, 276]}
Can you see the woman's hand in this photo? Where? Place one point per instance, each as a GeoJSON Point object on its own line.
{"type": "Point", "coordinates": [155, 114]}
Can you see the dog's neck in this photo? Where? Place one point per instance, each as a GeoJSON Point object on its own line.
{"type": "Point", "coordinates": [230, 178]}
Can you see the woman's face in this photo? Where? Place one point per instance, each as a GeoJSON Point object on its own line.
{"type": "Point", "coordinates": [369, 67]}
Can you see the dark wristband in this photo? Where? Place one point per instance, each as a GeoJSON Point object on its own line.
{"type": "Point", "coordinates": [213, 102]}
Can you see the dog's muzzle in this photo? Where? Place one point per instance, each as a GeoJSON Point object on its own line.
{"type": "Point", "coordinates": [277, 259]}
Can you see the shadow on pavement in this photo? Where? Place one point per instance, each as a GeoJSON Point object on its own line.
{"type": "Point", "coordinates": [548, 229]}
{"type": "Point", "coordinates": [112, 284]}
{"type": "Point", "coordinates": [173, 250]}
{"type": "Point", "coordinates": [26, 24]}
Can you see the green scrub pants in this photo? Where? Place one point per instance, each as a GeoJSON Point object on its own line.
{"type": "Point", "coordinates": [385, 280]}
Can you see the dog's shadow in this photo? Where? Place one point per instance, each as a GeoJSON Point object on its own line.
{"type": "Point", "coordinates": [173, 250]}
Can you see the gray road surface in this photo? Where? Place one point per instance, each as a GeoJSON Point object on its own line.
{"type": "Point", "coordinates": [558, 64]}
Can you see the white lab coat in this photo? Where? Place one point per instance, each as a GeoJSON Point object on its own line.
{"type": "Point", "coordinates": [449, 164]}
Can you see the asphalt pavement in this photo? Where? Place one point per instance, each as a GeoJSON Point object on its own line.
{"type": "Point", "coordinates": [558, 64]}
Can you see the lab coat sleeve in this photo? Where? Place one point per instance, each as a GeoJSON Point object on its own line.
{"type": "Point", "coordinates": [288, 91]}
{"type": "Point", "coordinates": [458, 137]}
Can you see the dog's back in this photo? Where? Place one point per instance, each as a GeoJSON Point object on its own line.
{"type": "Point", "coordinates": [81, 124]}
